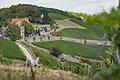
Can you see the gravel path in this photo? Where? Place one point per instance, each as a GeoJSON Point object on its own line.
{"type": "Point", "coordinates": [82, 41]}
{"type": "Point", "coordinates": [26, 52]}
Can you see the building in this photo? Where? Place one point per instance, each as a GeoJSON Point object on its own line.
{"type": "Point", "coordinates": [43, 25]}
{"type": "Point", "coordinates": [18, 21]}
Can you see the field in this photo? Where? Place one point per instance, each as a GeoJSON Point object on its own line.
{"type": "Point", "coordinates": [71, 48]}
{"type": "Point", "coordinates": [56, 16]}
{"type": "Point", "coordinates": [50, 61]}
{"type": "Point", "coordinates": [79, 33]}
{"type": "Point", "coordinates": [10, 50]}
{"type": "Point", "coordinates": [77, 21]}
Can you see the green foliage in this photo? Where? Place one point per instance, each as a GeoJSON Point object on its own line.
{"type": "Point", "coordinates": [29, 29]}
{"type": "Point", "coordinates": [71, 48]}
{"type": "Point", "coordinates": [5, 60]}
{"type": "Point", "coordinates": [13, 32]}
{"type": "Point", "coordinates": [111, 73]}
{"type": "Point", "coordinates": [74, 67]}
{"type": "Point", "coordinates": [52, 62]}
{"type": "Point", "coordinates": [55, 51]}
{"type": "Point", "coordinates": [57, 16]}
{"type": "Point", "coordinates": [80, 33]}
{"type": "Point", "coordinates": [111, 25]}
{"type": "Point", "coordinates": [10, 50]}
{"type": "Point", "coordinates": [46, 59]}
{"type": "Point", "coordinates": [20, 11]}
{"type": "Point", "coordinates": [78, 21]}
{"type": "Point", "coordinates": [32, 12]}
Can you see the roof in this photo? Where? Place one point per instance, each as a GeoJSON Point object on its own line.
{"type": "Point", "coordinates": [16, 20]}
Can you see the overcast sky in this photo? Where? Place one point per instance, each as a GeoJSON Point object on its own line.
{"type": "Point", "coordinates": [85, 6]}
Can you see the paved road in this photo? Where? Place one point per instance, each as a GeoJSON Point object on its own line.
{"type": "Point", "coordinates": [26, 52]}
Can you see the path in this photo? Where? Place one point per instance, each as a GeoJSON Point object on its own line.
{"type": "Point", "coordinates": [42, 49]}
{"type": "Point", "coordinates": [26, 52]}
{"type": "Point", "coordinates": [82, 41]}
{"type": "Point", "coordinates": [68, 24]}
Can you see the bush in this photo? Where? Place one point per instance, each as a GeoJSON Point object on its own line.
{"type": "Point", "coordinates": [55, 51]}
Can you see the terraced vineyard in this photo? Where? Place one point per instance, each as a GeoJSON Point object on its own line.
{"type": "Point", "coordinates": [56, 16]}
{"type": "Point", "coordinates": [71, 48]}
{"type": "Point", "coordinates": [79, 33]}
{"type": "Point", "coordinates": [49, 61]}
{"type": "Point", "coordinates": [10, 50]}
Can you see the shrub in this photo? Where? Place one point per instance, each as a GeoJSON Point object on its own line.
{"type": "Point", "coordinates": [13, 32]}
{"type": "Point", "coordinates": [55, 51]}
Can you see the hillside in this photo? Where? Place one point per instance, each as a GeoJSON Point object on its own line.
{"type": "Point", "coordinates": [68, 38]}
{"type": "Point", "coordinates": [10, 50]}
{"type": "Point", "coordinates": [71, 48]}
{"type": "Point", "coordinates": [33, 12]}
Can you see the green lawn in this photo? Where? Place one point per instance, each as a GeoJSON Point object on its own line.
{"type": "Point", "coordinates": [56, 16]}
{"type": "Point", "coordinates": [79, 33]}
{"type": "Point", "coordinates": [71, 48]}
{"type": "Point", "coordinates": [10, 50]}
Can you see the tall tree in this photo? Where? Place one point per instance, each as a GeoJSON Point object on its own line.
{"type": "Point", "coordinates": [119, 4]}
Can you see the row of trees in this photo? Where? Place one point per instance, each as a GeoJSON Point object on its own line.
{"type": "Point", "coordinates": [111, 24]}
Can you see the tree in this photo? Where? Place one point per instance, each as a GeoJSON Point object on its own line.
{"type": "Point", "coordinates": [29, 29]}
{"type": "Point", "coordinates": [55, 51]}
{"type": "Point", "coordinates": [13, 32]}
{"type": "Point", "coordinates": [111, 25]}
{"type": "Point", "coordinates": [119, 4]}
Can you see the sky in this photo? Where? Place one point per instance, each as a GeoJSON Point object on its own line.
{"type": "Point", "coordinates": [84, 6]}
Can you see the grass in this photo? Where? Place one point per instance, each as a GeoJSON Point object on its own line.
{"type": "Point", "coordinates": [98, 30]}
{"type": "Point", "coordinates": [50, 61]}
{"type": "Point", "coordinates": [79, 33]}
{"type": "Point", "coordinates": [10, 50]}
{"type": "Point", "coordinates": [95, 28]}
{"type": "Point", "coordinates": [56, 16]}
{"type": "Point", "coordinates": [36, 74]}
{"type": "Point", "coordinates": [71, 48]}
{"type": "Point", "coordinates": [77, 21]}
{"type": "Point", "coordinates": [46, 59]}
{"type": "Point", "coordinates": [74, 67]}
